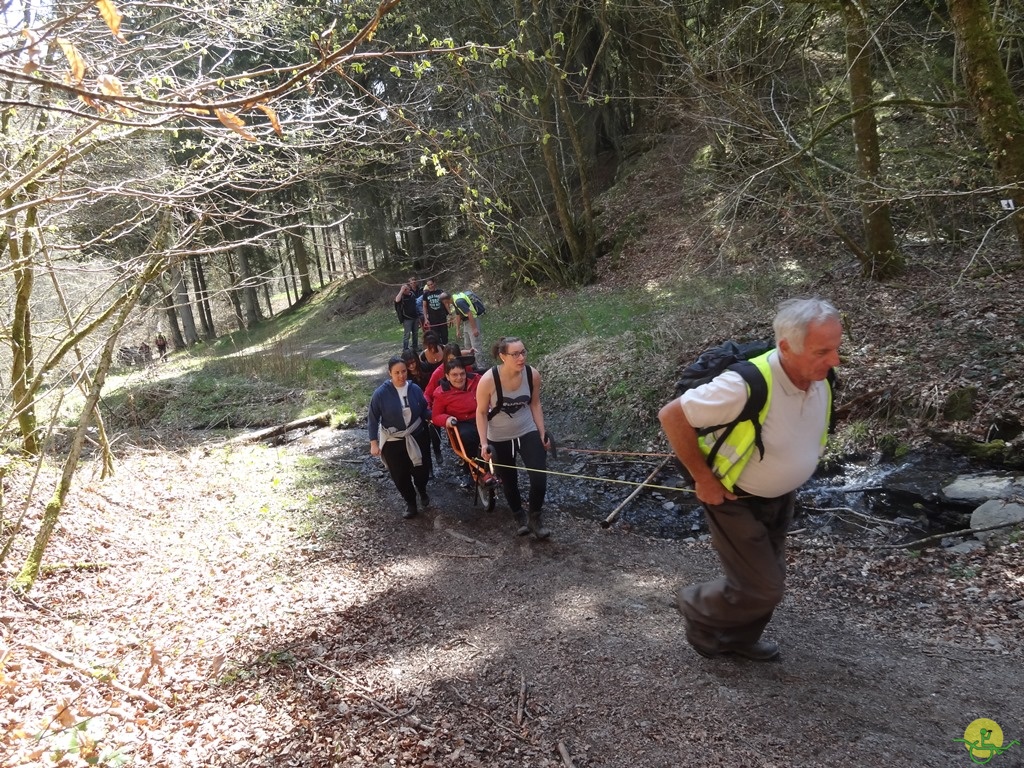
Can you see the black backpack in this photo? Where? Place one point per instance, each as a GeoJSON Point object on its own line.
{"type": "Point", "coordinates": [736, 356]}
{"type": "Point", "coordinates": [462, 303]}
{"type": "Point", "coordinates": [497, 390]}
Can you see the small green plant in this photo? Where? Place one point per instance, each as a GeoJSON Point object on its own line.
{"type": "Point", "coordinates": [958, 571]}
{"type": "Point", "coordinates": [277, 658]}
{"type": "Point", "coordinates": [84, 740]}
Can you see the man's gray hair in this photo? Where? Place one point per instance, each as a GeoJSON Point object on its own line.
{"type": "Point", "coordinates": [795, 316]}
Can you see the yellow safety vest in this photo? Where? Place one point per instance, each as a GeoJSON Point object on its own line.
{"type": "Point", "coordinates": [738, 446]}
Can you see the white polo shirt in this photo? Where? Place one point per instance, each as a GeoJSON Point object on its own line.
{"type": "Point", "coordinates": [791, 432]}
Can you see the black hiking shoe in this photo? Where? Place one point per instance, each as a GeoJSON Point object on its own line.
{"type": "Point", "coordinates": [535, 525]}
{"type": "Point", "coordinates": [524, 527]}
{"type": "Point", "coordinates": [410, 511]}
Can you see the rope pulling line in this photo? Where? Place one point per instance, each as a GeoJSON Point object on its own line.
{"type": "Point", "coordinates": [592, 477]}
{"type": "Point", "coordinates": [615, 453]}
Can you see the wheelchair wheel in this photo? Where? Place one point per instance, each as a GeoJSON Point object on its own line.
{"type": "Point", "coordinates": [485, 497]}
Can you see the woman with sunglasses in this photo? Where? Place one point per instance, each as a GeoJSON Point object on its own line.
{"type": "Point", "coordinates": [514, 425]}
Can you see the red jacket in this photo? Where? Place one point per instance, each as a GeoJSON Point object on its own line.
{"type": "Point", "coordinates": [460, 403]}
{"type": "Point", "coordinates": [433, 386]}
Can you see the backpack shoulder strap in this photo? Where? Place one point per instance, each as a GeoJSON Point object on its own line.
{"type": "Point", "coordinates": [500, 395]}
{"type": "Point", "coordinates": [833, 384]}
{"type": "Point", "coordinates": [497, 391]}
{"type": "Point", "coordinates": [756, 400]}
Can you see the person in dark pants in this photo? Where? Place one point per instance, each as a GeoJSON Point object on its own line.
{"type": "Point", "coordinates": [418, 375]}
{"type": "Point", "coordinates": [514, 426]}
{"type": "Point", "coordinates": [455, 406]}
{"type": "Point", "coordinates": [397, 428]}
{"type": "Point", "coordinates": [435, 314]}
{"type": "Point", "coordinates": [408, 315]}
{"type": "Point", "coordinates": [750, 494]}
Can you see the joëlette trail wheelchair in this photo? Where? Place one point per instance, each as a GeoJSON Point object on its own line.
{"type": "Point", "coordinates": [485, 482]}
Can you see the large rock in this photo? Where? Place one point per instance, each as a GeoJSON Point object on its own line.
{"type": "Point", "coordinates": [984, 487]}
{"type": "Point", "coordinates": [996, 512]}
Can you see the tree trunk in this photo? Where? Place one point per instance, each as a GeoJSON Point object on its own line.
{"type": "Point", "coordinates": [51, 514]}
{"type": "Point", "coordinates": [584, 266]}
{"type": "Point", "coordinates": [291, 267]}
{"type": "Point", "coordinates": [183, 305]}
{"type": "Point", "coordinates": [283, 261]}
{"type": "Point", "coordinates": [328, 244]}
{"type": "Point", "coordinates": [989, 88]}
{"type": "Point", "coordinates": [881, 257]}
{"type": "Point", "coordinates": [250, 300]}
{"type": "Point", "coordinates": [22, 358]}
{"type": "Point", "coordinates": [317, 256]}
{"type": "Point", "coordinates": [301, 260]}
{"type": "Point", "coordinates": [347, 264]}
{"type": "Point", "coordinates": [173, 325]}
{"type": "Point", "coordinates": [563, 207]}
{"type": "Point", "coordinates": [234, 292]}
{"type": "Point", "coordinates": [266, 296]}
{"type": "Point", "coordinates": [203, 299]}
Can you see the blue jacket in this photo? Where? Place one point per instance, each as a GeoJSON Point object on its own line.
{"type": "Point", "coordinates": [386, 408]}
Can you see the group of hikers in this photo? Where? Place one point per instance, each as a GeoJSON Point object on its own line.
{"type": "Point", "coordinates": [746, 467]}
{"type": "Point", "coordinates": [447, 385]}
{"type": "Point", "coordinates": [143, 354]}
{"type": "Point", "coordinates": [434, 311]}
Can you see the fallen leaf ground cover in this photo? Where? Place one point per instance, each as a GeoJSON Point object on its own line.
{"type": "Point", "coordinates": [224, 604]}
{"type": "Point", "coordinates": [219, 604]}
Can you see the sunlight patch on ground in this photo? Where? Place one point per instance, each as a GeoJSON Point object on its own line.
{"type": "Point", "coordinates": [422, 567]}
{"type": "Point", "coordinates": [569, 606]}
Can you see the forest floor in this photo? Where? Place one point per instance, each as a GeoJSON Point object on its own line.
{"type": "Point", "coordinates": [202, 612]}
{"type": "Point", "coordinates": [220, 603]}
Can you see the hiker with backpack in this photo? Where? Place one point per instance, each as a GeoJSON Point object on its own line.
{"type": "Point", "coordinates": [747, 468]}
{"type": "Point", "coordinates": [509, 414]}
{"type": "Point", "coordinates": [435, 314]}
{"type": "Point", "coordinates": [409, 314]}
{"type": "Point", "coordinates": [465, 308]}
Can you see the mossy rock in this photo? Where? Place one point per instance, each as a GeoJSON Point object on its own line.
{"type": "Point", "coordinates": [959, 405]}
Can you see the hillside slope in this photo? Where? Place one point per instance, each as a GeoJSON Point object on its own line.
{"type": "Point", "coordinates": [937, 354]}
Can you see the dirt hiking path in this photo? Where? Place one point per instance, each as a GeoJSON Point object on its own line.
{"type": "Point", "coordinates": [212, 623]}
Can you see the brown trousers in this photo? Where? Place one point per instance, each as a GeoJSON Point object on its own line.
{"type": "Point", "coordinates": [750, 537]}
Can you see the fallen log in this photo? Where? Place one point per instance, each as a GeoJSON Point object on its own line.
{"type": "Point", "coordinates": [319, 420]}
{"type": "Point", "coordinates": [91, 673]}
